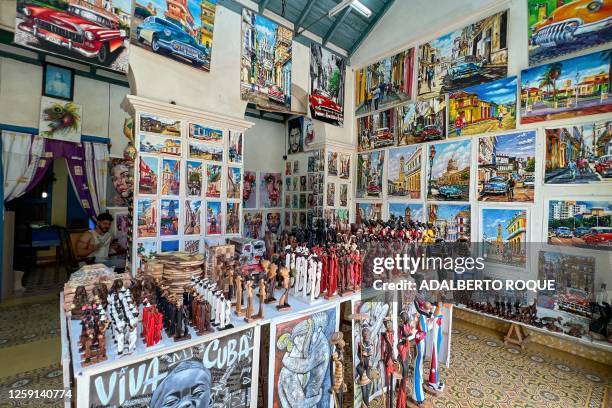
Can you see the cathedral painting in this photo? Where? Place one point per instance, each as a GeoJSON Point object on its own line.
{"type": "Point", "coordinates": [448, 178]}
{"type": "Point", "coordinates": [404, 172]}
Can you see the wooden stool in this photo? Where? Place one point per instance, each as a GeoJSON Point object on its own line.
{"type": "Point", "coordinates": [516, 335]}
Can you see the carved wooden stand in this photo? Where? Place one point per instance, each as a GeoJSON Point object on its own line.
{"type": "Point", "coordinates": [516, 335]}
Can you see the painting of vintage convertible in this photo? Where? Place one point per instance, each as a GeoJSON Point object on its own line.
{"type": "Point", "coordinates": [558, 27]}
{"type": "Point", "coordinates": [178, 29]}
{"type": "Point", "coordinates": [92, 31]}
{"type": "Point", "coordinates": [376, 130]}
{"type": "Point", "coordinates": [326, 98]}
{"type": "Point", "coordinates": [448, 175]}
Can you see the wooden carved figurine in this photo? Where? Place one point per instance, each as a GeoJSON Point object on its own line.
{"type": "Point", "coordinates": [271, 283]}
{"type": "Point", "coordinates": [338, 385]}
{"type": "Point", "coordinates": [283, 302]}
{"type": "Point", "coordinates": [80, 299]}
{"type": "Point", "coordinates": [248, 315]}
{"type": "Point", "coordinates": [262, 298]}
{"type": "Point", "coordinates": [238, 284]}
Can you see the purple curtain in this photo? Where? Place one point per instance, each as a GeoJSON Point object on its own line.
{"type": "Point", "coordinates": [75, 159]}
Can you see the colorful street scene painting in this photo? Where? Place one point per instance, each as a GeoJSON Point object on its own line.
{"type": "Point", "coordinates": [146, 214]}
{"type": "Point", "coordinates": [159, 145]}
{"type": "Point", "coordinates": [213, 218]}
{"type": "Point", "coordinates": [408, 212]}
{"type": "Point", "coordinates": [194, 178]}
{"type": "Point", "coordinates": [205, 152]}
{"type": "Point", "coordinates": [193, 217]}
{"type": "Point", "coordinates": [169, 217]}
{"type": "Point", "coordinates": [584, 224]}
{"type": "Point", "coordinates": [326, 99]}
{"type": "Point", "coordinates": [232, 218]}
{"type": "Point", "coordinates": [235, 146]}
{"type": "Point", "coordinates": [376, 130]}
{"type": "Point", "coordinates": [504, 236]}
{"type": "Point", "coordinates": [368, 212]}
{"type": "Point", "coordinates": [404, 172]}
{"type": "Point", "coordinates": [205, 133]}
{"type": "Point", "coordinates": [421, 121]}
{"type": "Point", "coordinates": [370, 174]}
{"type": "Point", "coordinates": [171, 176]}
{"type": "Point", "coordinates": [213, 180]}
{"type": "Point", "coordinates": [448, 176]}
{"type": "Point", "coordinates": [234, 178]}
{"type": "Point", "coordinates": [162, 126]}
{"type": "Point", "coordinates": [147, 176]}
{"type": "Point", "coordinates": [451, 222]}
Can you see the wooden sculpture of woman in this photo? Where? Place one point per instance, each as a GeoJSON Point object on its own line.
{"type": "Point", "coordinates": [238, 284]}
{"type": "Point", "coordinates": [283, 302]}
{"type": "Point", "coordinates": [249, 309]}
{"type": "Point", "coordinates": [271, 283]}
{"type": "Point", "coordinates": [339, 387]}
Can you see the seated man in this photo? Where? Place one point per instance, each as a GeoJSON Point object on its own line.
{"type": "Point", "coordinates": [96, 243]}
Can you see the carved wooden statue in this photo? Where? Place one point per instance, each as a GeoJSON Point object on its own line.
{"type": "Point", "coordinates": [283, 302]}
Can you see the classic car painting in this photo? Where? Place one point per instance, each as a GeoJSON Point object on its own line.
{"type": "Point", "coordinates": [181, 30]}
{"type": "Point", "coordinates": [377, 130]}
{"type": "Point", "coordinates": [326, 85]}
{"type": "Point", "coordinates": [578, 223]}
{"type": "Point", "coordinates": [448, 171]}
{"type": "Point", "coordinates": [558, 27]}
{"type": "Point", "coordinates": [94, 32]}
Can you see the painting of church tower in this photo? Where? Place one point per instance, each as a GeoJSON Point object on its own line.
{"type": "Point", "coordinates": [404, 172]}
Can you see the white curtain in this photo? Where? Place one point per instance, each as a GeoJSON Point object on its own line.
{"type": "Point", "coordinates": [21, 154]}
{"type": "Point", "coordinates": [96, 166]}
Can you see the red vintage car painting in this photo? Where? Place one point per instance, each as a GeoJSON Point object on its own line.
{"type": "Point", "coordinates": [322, 106]}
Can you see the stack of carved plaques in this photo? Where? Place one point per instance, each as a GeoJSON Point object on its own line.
{"type": "Point", "coordinates": [179, 267]}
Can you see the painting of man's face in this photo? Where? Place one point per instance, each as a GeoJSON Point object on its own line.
{"type": "Point", "coordinates": [187, 385]}
{"type": "Point", "coordinates": [296, 140]}
{"type": "Point", "coordinates": [273, 222]}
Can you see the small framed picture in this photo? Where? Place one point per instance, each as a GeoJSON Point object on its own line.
{"type": "Point", "coordinates": [58, 82]}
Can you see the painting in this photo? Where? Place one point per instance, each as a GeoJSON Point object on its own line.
{"type": "Point", "coordinates": [370, 174]}
{"type": "Point", "coordinates": [504, 236]}
{"type": "Point", "coordinates": [169, 217]}
{"type": "Point", "coordinates": [506, 167]}
{"type": "Point", "coordinates": [98, 35]}
{"type": "Point", "coordinates": [146, 249]}
{"type": "Point", "coordinates": [163, 126]}
{"type": "Point", "coordinates": [579, 154]}
{"type": "Point", "coordinates": [408, 212]}
{"type": "Point", "coordinates": [249, 190]}
{"type": "Point", "coordinates": [345, 166]}
{"type": "Point", "coordinates": [303, 199]}
{"type": "Point", "coordinates": [213, 180]}
{"type": "Point", "coordinates": [298, 346]}
{"type": "Point", "coordinates": [271, 189]}
{"type": "Point", "coordinates": [574, 278]}
{"type": "Point", "coordinates": [192, 246]}
{"type": "Point", "coordinates": [559, 27]}
{"type": "Point", "coordinates": [232, 218]}
{"type": "Point", "coordinates": [332, 163]}
{"type": "Point", "coordinates": [421, 121]}
{"type": "Point", "coordinates": [404, 172]}
{"type": "Point", "coordinates": [469, 56]}
{"type": "Point", "coordinates": [326, 98]}
{"type": "Point", "coordinates": [331, 194]}
{"type": "Point", "coordinates": [273, 222]}
{"type": "Point", "coordinates": [449, 171]}
{"type": "Point", "coordinates": [180, 31]}
{"type": "Point", "coordinates": [295, 201]}
{"type": "Point", "coordinates": [60, 120]}
{"type": "Point", "coordinates": [205, 152]}
{"type": "Point", "coordinates": [265, 82]}
{"type": "Point", "coordinates": [295, 135]}
{"type": "Point", "coordinates": [235, 146]}
{"type": "Point", "coordinates": [287, 220]}
{"type": "Point", "coordinates": [146, 215]}
{"type": "Point", "coordinates": [194, 178]}
{"type": "Point", "coordinates": [120, 183]}
{"type": "Point", "coordinates": [368, 211]}
{"type": "Point", "coordinates": [294, 219]}
{"type": "Point", "coordinates": [303, 183]}
{"type": "Point", "coordinates": [376, 130]}
{"type": "Point", "coordinates": [213, 218]}
{"type": "Point", "coordinates": [288, 168]}
{"type": "Point", "coordinates": [583, 224]}
{"type": "Point", "coordinates": [58, 82]}
{"type": "Point", "coordinates": [121, 229]}
{"type": "Point", "coordinates": [171, 176]}
{"type": "Point", "coordinates": [296, 167]}
{"type": "Point", "coordinates": [309, 133]}
{"type": "Point", "coordinates": [343, 195]}
{"type": "Point", "coordinates": [566, 89]}
{"type": "Point", "coordinates": [452, 222]}
{"type": "Point", "coordinates": [205, 133]}
{"type": "Point", "coordinates": [169, 246]}
{"type": "Point", "coordinates": [384, 83]}
{"type": "Point", "coordinates": [252, 223]}
{"type": "Point", "coordinates": [485, 108]}
{"type": "Point", "coordinates": [148, 175]}
{"type": "Point", "coordinates": [234, 177]}
{"type": "Point", "coordinates": [157, 145]}
{"type": "Point", "coordinates": [193, 217]}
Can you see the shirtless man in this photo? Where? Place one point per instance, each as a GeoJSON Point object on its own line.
{"type": "Point", "coordinates": [96, 243]}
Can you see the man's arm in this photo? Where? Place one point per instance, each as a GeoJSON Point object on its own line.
{"type": "Point", "coordinates": [85, 245]}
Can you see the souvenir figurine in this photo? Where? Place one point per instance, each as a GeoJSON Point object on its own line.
{"type": "Point", "coordinates": [239, 292]}
{"type": "Point", "coordinates": [388, 359]}
{"type": "Point", "coordinates": [434, 385]}
{"type": "Point", "coordinates": [262, 298]}
{"type": "Point", "coordinates": [404, 355]}
{"type": "Point", "coordinates": [79, 300]}
{"type": "Point", "coordinates": [248, 315]}
{"type": "Point", "coordinates": [181, 331]}
{"type": "Point", "coordinates": [339, 387]}
{"type": "Point", "coordinates": [418, 394]}
{"type": "Point", "coordinates": [271, 283]}
{"type": "Point", "coordinates": [365, 350]}
{"type": "Point", "coordinates": [283, 302]}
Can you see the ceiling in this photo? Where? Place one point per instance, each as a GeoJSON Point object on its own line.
{"type": "Point", "coordinates": [346, 30]}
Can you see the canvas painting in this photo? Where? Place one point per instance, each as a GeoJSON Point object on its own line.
{"type": "Point", "coordinates": [303, 199]}
{"type": "Point", "coordinates": [309, 133]}
{"type": "Point", "coordinates": [163, 126]}
{"type": "Point", "coordinates": [146, 249]}
{"type": "Point", "coordinates": [579, 154]}
{"type": "Point", "coordinates": [506, 167]}
{"type": "Point", "coordinates": [182, 31]}
{"type": "Point", "coordinates": [295, 201]}
{"type": "Point", "coordinates": [368, 211]}
{"type": "Point", "coordinates": [326, 99]}
{"type": "Point", "coordinates": [452, 222]}
{"type": "Point", "coordinates": [157, 145]}
{"type": "Point", "coordinates": [169, 246]}
{"type": "Point", "coordinates": [566, 89]}
{"type": "Point", "coordinates": [449, 171]}
{"type": "Point", "coordinates": [303, 183]}
{"type": "Point", "coordinates": [295, 135]}
{"type": "Point", "coordinates": [296, 167]}
{"type": "Point", "coordinates": [294, 219]}
{"type": "Point", "coordinates": [234, 177]}
{"type": "Point", "coordinates": [332, 163]}
{"type": "Point", "coordinates": [194, 178]}
{"type": "Point", "coordinates": [273, 222]}
{"type": "Point", "coordinates": [213, 180]}
{"type": "Point", "coordinates": [583, 224]}
{"type": "Point", "coordinates": [345, 166]}
{"type": "Point", "coordinates": [299, 346]}
{"type": "Point", "coordinates": [99, 33]}
{"type": "Point", "coordinates": [58, 82]}
{"type": "Point", "coordinates": [404, 172]}
{"type": "Point", "coordinates": [170, 177]}
{"type": "Point", "coordinates": [193, 217]}
{"type": "Point", "coordinates": [60, 120]}
{"type": "Point", "coordinates": [504, 236]}
{"type": "Point", "coordinates": [121, 230]}
{"type": "Point", "coordinates": [331, 194]}
{"type": "Point", "coordinates": [148, 175]}
{"type": "Point", "coordinates": [169, 217]}
{"type": "Point", "coordinates": [469, 56]}
{"type": "Point", "coordinates": [205, 152]}
{"type": "Point", "coordinates": [370, 174]}
{"type": "Point", "coordinates": [205, 133]}
{"type": "Point", "coordinates": [484, 108]}
{"type": "Point", "coordinates": [288, 168]}
{"type": "Point", "coordinates": [249, 190]}
{"type": "Point", "coordinates": [271, 189]}
{"type": "Point", "coordinates": [302, 219]}
{"type": "Point", "coordinates": [232, 218]}
{"type": "Point", "coordinates": [408, 212]}
{"type": "Point", "coordinates": [252, 223]}
{"type": "Point", "coordinates": [421, 121]}
{"type": "Point", "coordinates": [235, 146]}
{"type": "Point", "coordinates": [377, 130]}
{"type": "Point", "coordinates": [265, 82]}
{"type": "Point", "coordinates": [343, 195]}
{"type": "Point", "coordinates": [192, 246]}
{"type": "Point", "coordinates": [120, 184]}
{"type": "Point", "coordinates": [146, 214]}
{"type": "Point", "coordinates": [558, 27]}
{"type": "Point", "coordinates": [213, 218]}
{"type": "Point", "coordinates": [384, 83]}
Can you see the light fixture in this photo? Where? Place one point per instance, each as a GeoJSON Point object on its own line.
{"type": "Point", "coordinates": [44, 194]}
{"type": "Point", "coordinates": [355, 4]}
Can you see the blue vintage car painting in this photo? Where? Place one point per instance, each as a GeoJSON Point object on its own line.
{"type": "Point", "coordinates": [496, 185]}
{"type": "Point", "coordinates": [450, 192]}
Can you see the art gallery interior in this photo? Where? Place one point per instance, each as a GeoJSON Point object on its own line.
{"type": "Point", "coordinates": [306, 203]}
